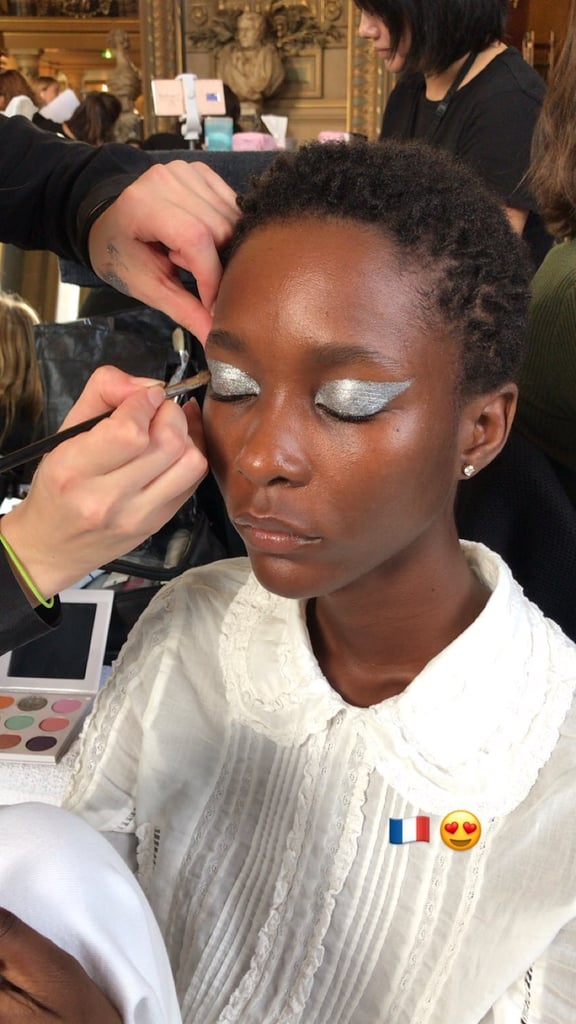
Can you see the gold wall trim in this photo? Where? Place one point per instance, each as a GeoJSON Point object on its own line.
{"type": "Point", "coordinates": [368, 84]}
{"type": "Point", "coordinates": [162, 51]}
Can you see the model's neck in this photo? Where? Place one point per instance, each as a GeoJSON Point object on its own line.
{"type": "Point", "coordinates": [372, 642]}
{"type": "Point", "coordinates": [437, 85]}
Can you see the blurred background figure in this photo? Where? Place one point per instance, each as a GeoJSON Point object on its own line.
{"type": "Point", "coordinates": [16, 95]}
{"type": "Point", "coordinates": [19, 96]}
{"type": "Point", "coordinates": [3, 53]}
{"type": "Point", "coordinates": [94, 119]}
{"type": "Point", "coordinates": [547, 404]}
{"type": "Point", "coordinates": [57, 110]}
{"type": "Point", "coordinates": [46, 88]}
{"type": "Point", "coordinates": [21, 396]}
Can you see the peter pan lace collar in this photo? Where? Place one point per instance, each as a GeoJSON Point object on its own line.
{"type": "Point", "coordinates": [473, 729]}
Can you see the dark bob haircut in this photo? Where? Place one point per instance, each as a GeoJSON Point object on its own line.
{"type": "Point", "coordinates": [470, 270]}
{"type": "Point", "coordinates": [442, 31]}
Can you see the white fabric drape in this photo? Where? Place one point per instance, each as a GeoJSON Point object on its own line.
{"type": "Point", "coordinates": [65, 880]}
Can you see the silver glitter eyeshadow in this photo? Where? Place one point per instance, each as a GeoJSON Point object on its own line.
{"type": "Point", "coordinates": [359, 398]}
{"type": "Point", "coordinates": [229, 381]}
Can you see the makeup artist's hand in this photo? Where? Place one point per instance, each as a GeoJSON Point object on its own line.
{"type": "Point", "coordinates": [98, 495]}
{"type": "Point", "coordinates": [40, 983]}
{"type": "Point", "coordinates": [175, 215]}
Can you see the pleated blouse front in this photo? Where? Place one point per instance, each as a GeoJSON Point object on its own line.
{"type": "Point", "coordinates": [261, 803]}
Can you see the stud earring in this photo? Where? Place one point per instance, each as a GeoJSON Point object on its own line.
{"type": "Point", "coordinates": [468, 470]}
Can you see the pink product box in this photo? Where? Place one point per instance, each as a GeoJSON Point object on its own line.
{"type": "Point", "coordinates": [333, 136]}
{"type": "Point", "coordinates": [253, 140]}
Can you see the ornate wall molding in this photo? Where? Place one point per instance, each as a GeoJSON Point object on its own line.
{"type": "Point", "coordinates": [77, 8]}
{"type": "Point", "coordinates": [162, 51]}
{"type": "Point", "coordinates": [368, 85]}
{"type": "Point", "coordinates": [292, 27]}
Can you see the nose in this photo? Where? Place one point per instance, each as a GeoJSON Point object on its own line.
{"type": "Point", "coordinates": [368, 27]}
{"type": "Point", "coordinates": [273, 450]}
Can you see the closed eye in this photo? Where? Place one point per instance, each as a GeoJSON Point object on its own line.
{"type": "Point", "coordinates": [228, 382]}
{"type": "Point", "coordinates": [358, 400]}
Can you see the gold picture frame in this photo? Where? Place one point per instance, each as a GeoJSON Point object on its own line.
{"type": "Point", "coordinates": [303, 76]}
{"type": "Point", "coordinates": [368, 83]}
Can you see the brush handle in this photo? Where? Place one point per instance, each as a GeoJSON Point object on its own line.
{"type": "Point", "coordinates": [39, 448]}
{"type": "Point", "coordinates": [46, 444]}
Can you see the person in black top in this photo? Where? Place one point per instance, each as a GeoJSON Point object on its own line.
{"type": "Point", "coordinates": [461, 88]}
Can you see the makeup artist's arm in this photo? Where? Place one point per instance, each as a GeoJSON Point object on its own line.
{"type": "Point", "coordinates": [133, 219]}
{"type": "Point", "coordinates": [41, 983]}
{"type": "Point", "coordinates": [103, 492]}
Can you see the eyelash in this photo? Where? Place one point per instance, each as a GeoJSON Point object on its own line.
{"type": "Point", "coordinates": [347, 419]}
{"type": "Point", "coordinates": [228, 399]}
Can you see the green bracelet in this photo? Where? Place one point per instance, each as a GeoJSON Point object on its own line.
{"type": "Point", "coordinates": [22, 571]}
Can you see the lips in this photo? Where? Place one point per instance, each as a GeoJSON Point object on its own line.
{"type": "Point", "coordinates": [269, 533]}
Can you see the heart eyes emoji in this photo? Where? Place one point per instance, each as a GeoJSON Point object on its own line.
{"type": "Point", "coordinates": [460, 830]}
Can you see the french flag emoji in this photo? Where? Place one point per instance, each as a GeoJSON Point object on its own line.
{"type": "Point", "coordinates": [410, 830]}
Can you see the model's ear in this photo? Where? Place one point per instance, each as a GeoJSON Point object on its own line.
{"type": "Point", "coordinates": [485, 424]}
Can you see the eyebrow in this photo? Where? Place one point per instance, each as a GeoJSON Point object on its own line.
{"type": "Point", "coordinates": [326, 356]}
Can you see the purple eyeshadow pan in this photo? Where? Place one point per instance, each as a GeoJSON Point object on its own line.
{"type": "Point", "coordinates": [41, 742]}
{"type": "Point", "coordinates": [66, 705]}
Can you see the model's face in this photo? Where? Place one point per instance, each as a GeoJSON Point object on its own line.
{"type": "Point", "coordinates": [331, 419]}
{"type": "Point", "coordinates": [372, 27]}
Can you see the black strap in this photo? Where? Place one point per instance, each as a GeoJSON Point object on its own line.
{"type": "Point", "coordinates": [442, 106]}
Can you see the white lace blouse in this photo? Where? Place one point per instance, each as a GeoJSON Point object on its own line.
{"type": "Point", "coordinates": [261, 804]}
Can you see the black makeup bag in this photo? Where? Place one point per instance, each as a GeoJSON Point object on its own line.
{"type": "Point", "coordinates": [139, 341]}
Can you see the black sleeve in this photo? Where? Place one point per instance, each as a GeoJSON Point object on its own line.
{"type": "Point", "coordinates": [19, 621]}
{"type": "Point", "coordinates": [50, 188]}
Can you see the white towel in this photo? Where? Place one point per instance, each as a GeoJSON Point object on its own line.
{"type": "Point", "coordinates": [66, 881]}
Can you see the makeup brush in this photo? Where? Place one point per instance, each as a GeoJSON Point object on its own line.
{"type": "Point", "coordinates": [46, 444]}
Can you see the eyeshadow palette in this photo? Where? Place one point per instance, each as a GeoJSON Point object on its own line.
{"type": "Point", "coordinates": [48, 685]}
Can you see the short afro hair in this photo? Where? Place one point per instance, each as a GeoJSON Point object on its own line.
{"type": "Point", "coordinates": [444, 226]}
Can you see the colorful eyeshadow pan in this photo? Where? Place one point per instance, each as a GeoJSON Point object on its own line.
{"type": "Point", "coordinates": [7, 742]}
{"type": "Point", "coordinates": [46, 731]}
{"type": "Point", "coordinates": [47, 686]}
{"type": "Point", "coordinates": [54, 724]}
{"type": "Point", "coordinates": [19, 722]}
{"type": "Point", "coordinates": [32, 703]}
{"type": "Point", "coordinates": [41, 743]}
{"type": "Point", "coordinates": [66, 706]}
